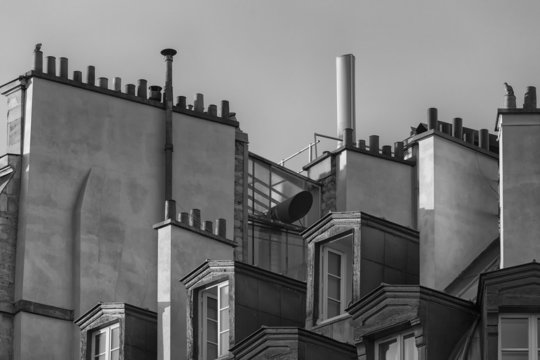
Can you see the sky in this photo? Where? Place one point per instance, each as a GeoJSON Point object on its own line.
{"type": "Point", "coordinates": [274, 60]}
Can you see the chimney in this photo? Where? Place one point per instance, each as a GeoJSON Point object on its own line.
{"type": "Point", "coordinates": [345, 96]}
{"type": "Point", "coordinates": [519, 183]}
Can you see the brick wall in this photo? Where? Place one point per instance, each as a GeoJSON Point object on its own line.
{"type": "Point", "coordinates": [240, 196]}
{"type": "Point", "coordinates": [328, 191]}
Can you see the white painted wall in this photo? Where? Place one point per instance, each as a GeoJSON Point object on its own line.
{"type": "Point", "coordinates": [520, 188]}
{"type": "Point", "coordinates": [458, 208]}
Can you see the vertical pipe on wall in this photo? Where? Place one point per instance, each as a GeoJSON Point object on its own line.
{"type": "Point", "coordinates": [170, 204]}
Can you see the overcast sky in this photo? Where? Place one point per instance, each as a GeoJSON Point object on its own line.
{"type": "Point", "coordinates": [274, 60]}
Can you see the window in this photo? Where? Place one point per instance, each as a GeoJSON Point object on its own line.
{"type": "Point", "coordinates": [401, 347]}
{"type": "Point", "coordinates": [519, 337]}
{"type": "Point", "coordinates": [335, 277]}
{"type": "Point", "coordinates": [214, 321]}
{"type": "Point", "coordinates": [333, 299]}
{"type": "Point", "coordinates": [106, 343]}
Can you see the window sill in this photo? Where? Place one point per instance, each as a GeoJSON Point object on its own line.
{"type": "Point", "coordinates": [335, 319]}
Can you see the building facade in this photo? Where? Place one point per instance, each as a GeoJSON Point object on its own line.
{"type": "Point", "coordinates": [422, 250]}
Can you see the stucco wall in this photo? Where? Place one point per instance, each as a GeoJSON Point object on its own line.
{"type": "Point", "coordinates": [42, 338]}
{"type": "Point", "coordinates": [520, 188]}
{"type": "Point", "coordinates": [180, 251]}
{"type": "Point", "coordinates": [375, 185]}
{"type": "Point", "coordinates": [458, 208]}
{"type": "Point", "coordinates": [93, 187]}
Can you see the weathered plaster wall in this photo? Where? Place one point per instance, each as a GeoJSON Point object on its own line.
{"type": "Point", "coordinates": [92, 188]}
{"type": "Point", "coordinates": [42, 338]}
{"type": "Point", "coordinates": [375, 185]}
{"type": "Point", "coordinates": [180, 251]}
{"type": "Point", "coordinates": [325, 172]}
{"type": "Point", "coordinates": [520, 188]}
{"type": "Point", "coordinates": [458, 208]}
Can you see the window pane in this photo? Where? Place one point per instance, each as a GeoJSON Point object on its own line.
{"type": "Point", "coordinates": [211, 308]}
{"type": "Point", "coordinates": [223, 343]}
{"type": "Point", "coordinates": [334, 264]}
{"type": "Point", "coordinates": [211, 351]}
{"type": "Point", "coordinates": [99, 345]}
{"type": "Point", "coordinates": [211, 331]}
{"type": "Point", "coordinates": [514, 333]}
{"type": "Point", "coordinates": [515, 355]}
{"type": "Point", "coordinates": [333, 308]}
{"type": "Point", "coordinates": [224, 320]}
{"type": "Point", "coordinates": [409, 348]}
{"type": "Point", "coordinates": [389, 350]}
{"type": "Point", "coordinates": [100, 357]}
{"type": "Point", "coordinates": [115, 355]}
{"type": "Point", "coordinates": [115, 338]}
{"type": "Point", "coordinates": [224, 296]}
{"type": "Point", "coordinates": [334, 288]}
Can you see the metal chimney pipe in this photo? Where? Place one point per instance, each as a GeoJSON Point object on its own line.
{"type": "Point", "coordinates": [170, 204]}
{"type": "Point", "coordinates": [345, 96]}
{"type": "Point", "coordinates": [38, 59]}
{"type": "Point", "coordinates": [432, 118]}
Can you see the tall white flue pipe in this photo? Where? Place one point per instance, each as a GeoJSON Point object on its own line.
{"type": "Point", "coordinates": [345, 96]}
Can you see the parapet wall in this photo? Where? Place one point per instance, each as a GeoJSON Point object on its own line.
{"type": "Point", "coordinates": [141, 92]}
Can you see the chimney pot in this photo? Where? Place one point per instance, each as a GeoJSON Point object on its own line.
{"type": "Point", "coordinates": [103, 82]}
{"type": "Point", "coordinates": [199, 103]}
{"type": "Point", "coordinates": [348, 136]}
{"type": "Point", "coordinates": [208, 226]}
{"type": "Point", "coordinates": [484, 139]}
{"type": "Point", "coordinates": [91, 75]}
{"type": "Point", "coordinates": [432, 118]}
{"type": "Point", "coordinates": [181, 102]}
{"type": "Point", "coordinates": [51, 65]}
{"type": "Point", "coordinates": [195, 218]}
{"type": "Point", "coordinates": [141, 89]}
{"type": "Point", "coordinates": [184, 218]}
{"type": "Point", "coordinates": [170, 209]}
{"type": "Point", "coordinates": [398, 150]}
{"type": "Point", "coordinates": [117, 84]}
{"type": "Point", "coordinates": [374, 144]}
{"type": "Point", "coordinates": [387, 150]}
{"type": "Point", "coordinates": [155, 93]}
{"type": "Point", "coordinates": [63, 67]}
{"type": "Point", "coordinates": [77, 76]}
{"type": "Point", "coordinates": [530, 98]}
{"type": "Point", "coordinates": [38, 59]}
{"type": "Point", "coordinates": [224, 109]}
{"type": "Point", "coordinates": [221, 228]}
{"type": "Point", "coordinates": [212, 110]}
{"type": "Point", "coordinates": [362, 144]}
{"type": "Point", "coordinates": [130, 89]}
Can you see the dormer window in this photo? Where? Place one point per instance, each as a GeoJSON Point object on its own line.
{"type": "Point", "coordinates": [519, 336]}
{"type": "Point", "coordinates": [335, 277]}
{"type": "Point", "coordinates": [106, 343]}
{"type": "Point", "coordinates": [214, 321]}
{"type": "Point", "coordinates": [400, 347]}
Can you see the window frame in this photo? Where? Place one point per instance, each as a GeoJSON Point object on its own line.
{"type": "Point", "coordinates": [204, 295]}
{"type": "Point", "coordinates": [323, 293]}
{"type": "Point", "coordinates": [532, 334]}
{"type": "Point", "coordinates": [399, 339]}
{"type": "Point", "coordinates": [107, 330]}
